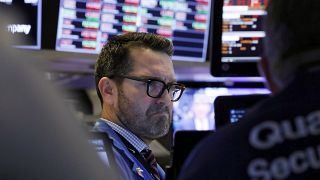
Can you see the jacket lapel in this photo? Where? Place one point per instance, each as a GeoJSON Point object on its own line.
{"type": "Point", "coordinates": [137, 168]}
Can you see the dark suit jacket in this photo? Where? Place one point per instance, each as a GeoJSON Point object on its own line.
{"type": "Point", "coordinates": [278, 139]}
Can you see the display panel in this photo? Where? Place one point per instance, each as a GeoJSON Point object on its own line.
{"type": "Point", "coordinates": [231, 109]}
{"type": "Point", "coordinates": [184, 143]}
{"type": "Point", "coordinates": [103, 147]}
{"type": "Point", "coordinates": [195, 110]}
{"type": "Point", "coordinates": [237, 47]}
{"type": "Point", "coordinates": [84, 26]}
{"type": "Point", "coordinates": [24, 25]}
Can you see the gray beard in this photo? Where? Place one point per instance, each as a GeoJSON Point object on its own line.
{"type": "Point", "coordinates": [141, 124]}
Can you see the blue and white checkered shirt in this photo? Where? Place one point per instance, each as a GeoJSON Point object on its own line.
{"type": "Point", "coordinates": [129, 136]}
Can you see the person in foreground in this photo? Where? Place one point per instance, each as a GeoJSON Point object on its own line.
{"type": "Point", "coordinates": [279, 138]}
{"type": "Point", "coordinates": [39, 137]}
{"type": "Point", "coordinates": [136, 85]}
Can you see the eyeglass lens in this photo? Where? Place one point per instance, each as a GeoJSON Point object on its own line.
{"type": "Point", "coordinates": [156, 89]}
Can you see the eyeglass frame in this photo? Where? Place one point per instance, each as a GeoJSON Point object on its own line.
{"type": "Point", "coordinates": [166, 86]}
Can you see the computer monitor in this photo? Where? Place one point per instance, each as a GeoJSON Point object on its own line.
{"type": "Point", "coordinates": [231, 109]}
{"type": "Point", "coordinates": [85, 26]}
{"type": "Point", "coordinates": [237, 37]}
{"type": "Point", "coordinates": [184, 143]}
{"type": "Point", "coordinates": [24, 23]}
{"type": "Point", "coordinates": [103, 146]}
{"type": "Point", "coordinates": [195, 110]}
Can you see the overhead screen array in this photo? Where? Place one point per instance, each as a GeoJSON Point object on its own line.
{"type": "Point", "coordinates": [240, 46]}
{"type": "Point", "coordinates": [85, 26]}
{"type": "Point", "coordinates": [24, 24]}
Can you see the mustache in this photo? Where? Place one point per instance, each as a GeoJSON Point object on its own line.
{"type": "Point", "coordinates": [158, 109]}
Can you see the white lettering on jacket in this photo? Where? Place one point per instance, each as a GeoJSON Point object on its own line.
{"type": "Point", "coordinates": [269, 133]}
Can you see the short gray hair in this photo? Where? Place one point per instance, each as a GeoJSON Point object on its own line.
{"type": "Point", "coordinates": [292, 28]}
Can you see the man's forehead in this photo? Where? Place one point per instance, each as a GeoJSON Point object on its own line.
{"type": "Point", "coordinates": [153, 63]}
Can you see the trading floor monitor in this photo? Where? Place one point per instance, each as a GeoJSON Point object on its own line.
{"type": "Point", "coordinates": [231, 109]}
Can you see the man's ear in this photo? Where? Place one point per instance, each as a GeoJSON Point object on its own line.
{"type": "Point", "coordinates": [264, 70]}
{"type": "Point", "coordinates": [107, 89]}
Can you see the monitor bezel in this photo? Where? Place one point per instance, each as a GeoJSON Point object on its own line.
{"type": "Point", "coordinates": [223, 105]}
{"type": "Point", "coordinates": [217, 67]}
{"type": "Point", "coordinates": [20, 42]}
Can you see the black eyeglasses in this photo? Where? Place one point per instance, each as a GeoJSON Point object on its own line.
{"type": "Point", "coordinates": [156, 87]}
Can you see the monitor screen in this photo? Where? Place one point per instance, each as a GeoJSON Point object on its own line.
{"type": "Point", "coordinates": [237, 43]}
{"type": "Point", "coordinates": [99, 145]}
{"type": "Point", "coordinates": [25, 25]}
{"type": "Point", "coordinates": [184, 143]}
{"type": "Point", "coordinates": [231, 109]}
{"type": "Point", "coordinates": [103, 147]}
{"type": "Point", "coordinates": [85, 26]}
{"type": "Point", "coordinates": [195, 110]}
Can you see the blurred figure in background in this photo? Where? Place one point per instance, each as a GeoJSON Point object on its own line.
{"type": "Point", "coordinates": [39, 138]}
{"type": "Point", "coordinates": [279, 138]}
{"type": "Point", "coordinates": [199, 116]}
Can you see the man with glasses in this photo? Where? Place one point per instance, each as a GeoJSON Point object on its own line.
{"type": "Point", "coordinates": [136, 85]}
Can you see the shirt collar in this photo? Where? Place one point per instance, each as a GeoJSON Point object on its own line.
{"type": "Point", "coordinates": [129, 136]}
